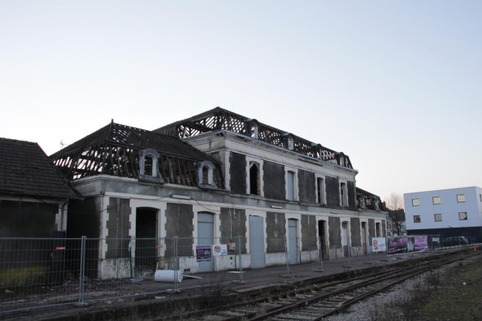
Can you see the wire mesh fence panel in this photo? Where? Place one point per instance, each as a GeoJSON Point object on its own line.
{"type": "Point", "coordinates": [34, 272]}
{"type": "Point", "coordinates": [41, 272]}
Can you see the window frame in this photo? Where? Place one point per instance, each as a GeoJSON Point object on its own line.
{"type": "Point", "coordinates": [460, 198]}
{"type": "Point", "coordinates": [155, 173]}
{"type": "Point", "coordinates": [417, 219]}
{"type": "Point", "coordinates": [437, 215]}
{"type": "Point", "coordinates": [320, 190]}
{"type": "Point", "coordinates": [260, 184]}
{"type": "Point", "coordinates": [203, 168]}
{"type": "Point", "coordinates": [415, 202]}
{"type": "Point", "coordinates": [291, 177]}
{"type": "Point", "coordinates": [343, 194]}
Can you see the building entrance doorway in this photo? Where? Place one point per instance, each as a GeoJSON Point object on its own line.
{"type": "Point", "coordinates": [322, 235]}
{"type": "Point", "coordinates": [146, 235]}
{"type": "Point", "coordinates": [256, 242]}
{"type": "Point", "coordinates": [293, 241]}
{"type": "Point", "coordinates": [205, 225]}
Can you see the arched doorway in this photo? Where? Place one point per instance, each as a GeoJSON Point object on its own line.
{"type": "Point", "coordinates": [146, 235]}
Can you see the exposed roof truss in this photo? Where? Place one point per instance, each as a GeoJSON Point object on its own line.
{"type": "Point", "coordinates": [221, 119]}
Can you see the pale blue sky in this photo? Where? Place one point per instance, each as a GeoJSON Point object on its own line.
{"type": "Point", "coordinates": [395, 85]}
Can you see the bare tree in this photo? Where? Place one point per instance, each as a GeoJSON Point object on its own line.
{"type": "Point", "coordinates": [395, 202]}
{"type": "Point", "coordinates": [396, 212]}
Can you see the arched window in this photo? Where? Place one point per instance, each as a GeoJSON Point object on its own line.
{"type": "Point", "coordinates": [254, 178]}
{"type": "Point", "coordinates": [149, 163]}
{"type": "Point", "coordinates": [149, 166]}
{"type": "Point", "coordinates": [206, 174]}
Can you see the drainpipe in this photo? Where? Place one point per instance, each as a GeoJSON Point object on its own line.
{"type": "Point", "coordinates": [63, 216]}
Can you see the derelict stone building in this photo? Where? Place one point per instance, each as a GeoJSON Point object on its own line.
{"type": "Point", "coordinates": [33, 197]}
{"type": "Point", "coordinates": [217, 177]}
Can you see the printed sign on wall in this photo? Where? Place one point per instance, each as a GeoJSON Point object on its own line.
{"type": "Point", "coordinates": [219, 249]}
{"type": "Point", "coordinates": [378, 244]}
{"type": "Point", "coordinates": [203, 253]}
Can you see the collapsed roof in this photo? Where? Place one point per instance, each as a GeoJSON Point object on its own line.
{"type": "Point", "coordinates": [219, 119]}
{"type": "Point", "coordinates": [115, 150]}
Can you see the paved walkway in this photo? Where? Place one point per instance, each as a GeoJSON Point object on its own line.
{"type": "Point", "coordinates": [252, 279]}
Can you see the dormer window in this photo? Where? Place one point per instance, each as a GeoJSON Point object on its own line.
{"type": "Point", "coordinates": [289, 141]}
{"type": "Point", "coordinates": [252, 128]}
{"type": "Point", "coordinates": [206, 174]}
{"type": "Point", "coordinates": [149, 166]}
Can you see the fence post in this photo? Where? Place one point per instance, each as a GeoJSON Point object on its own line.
{"type": "Point", "coordinates": [322, 268]}
{"type": "Point", "coordinates": [241, 278]}
{"type": "Point", "coordinates": [176, 265]}
{"type": "Point", "coordinates": [82, 270]}
{"type": "Point", "coordinates": [287, 256]}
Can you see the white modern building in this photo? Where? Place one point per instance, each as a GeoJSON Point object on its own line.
{"type": "Point", "coordinates": [445, 212]}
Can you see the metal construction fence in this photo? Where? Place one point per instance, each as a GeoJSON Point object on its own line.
{"type": "Point", "coordinates": [43, 272]}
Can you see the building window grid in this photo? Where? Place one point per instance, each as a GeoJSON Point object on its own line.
{"type": "Point", "coordinates": [206, 173]}
{"type": "Point", "coordinates": [460, 198]}
{"type": "Point", "coordinates": [320, 191]}
{"type": "Point", "coordinates": [462, 216]}
{"type": "Point", "coordinates": [436, 200]}
{"type": "Point", "coordinates": [415, 202]}
{"type": "Point", "coordinates": [437, 217]}
{"type": "Point", "coordinates": [417, 219]}
{"type": "Point", "coordinates": [343, 195]}
{"type": "Point", "coordinates": [254, 184]}
{"type": "Point", "coordinates": [291, 185]}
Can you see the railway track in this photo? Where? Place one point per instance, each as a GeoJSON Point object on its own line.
{"type": "Point", "coordinates": [321, 300]}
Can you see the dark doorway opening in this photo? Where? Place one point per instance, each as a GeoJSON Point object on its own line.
{"type": "Point", "coordinates": [146, 234]}
{"type": "Point", "coordinates": [322, 237]}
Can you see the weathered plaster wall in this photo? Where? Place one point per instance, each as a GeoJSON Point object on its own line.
{"type": "Point", "coordinates": [355, 231]}
{"type": "Point", "coordinates": [179, 222]}
{"type": "Point", "coordinates": [274, 181]}
{"type": "Point", "coordinates": [237, 172]}
{"type": "Point", "coordinates": [335, 232]}
{"type": "Point", "coordinates": [232, 225]}
{"type": "Point", "coordinates": [118, 226]}
{"type": "Point", "coordinates": [308, 233]}
{"type": "Point", "coordinates": [27, 219]}
{"type": "Point", "coordinates": [275, 232]}
{"type": "Point", "coordinates": [332, 191]}
{"type": "Point", "coordinates": [371, 228]}
{"type": "Point", "coordinates": [307, 188]}
{"type": "Point", "coordinates": [84, 218]}
{"type": "Point", "coordinates": [351, 195]}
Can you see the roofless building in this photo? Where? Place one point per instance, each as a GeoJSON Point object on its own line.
{"type": "Point", "coordinates": [217, 177]}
